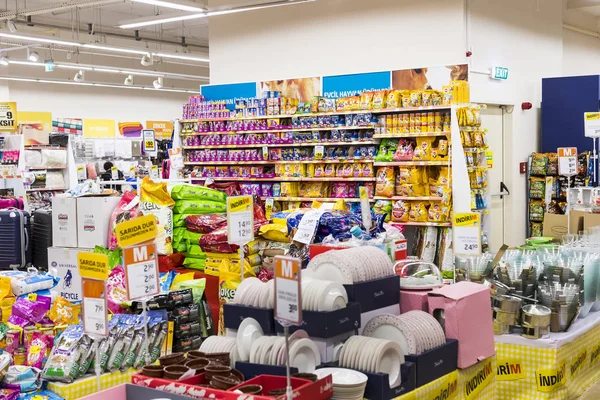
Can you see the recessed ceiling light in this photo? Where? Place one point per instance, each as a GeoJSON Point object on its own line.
{"type": "Point", "coordinates": [33, 56]}
{"type": "Point", "coordinates": [129, 80]}
{"type": "Point", "coordinates": [78, 76]}
{"type": "Point", "coordinates": [180, 5]}
{"type": "Point", "coordinates": [4, 60]}
{"type": "Point", "coordinates": [147, 60]}
{"type": "Point", "coordinates": [158, 83]}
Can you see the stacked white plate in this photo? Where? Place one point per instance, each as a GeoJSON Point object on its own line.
{"type": "Point", "coordinates": [416, 331]}
{"type": "Point", "coordinates": [255, 293]}
{"type": "Point", "coordinates": [248, 332]}
{"type": "Point", "coordinates": [221, 344]}
{"type": "Point", "coordinates": [270, 350]}
{"type": "Point", "coordinates": [347, 384]}
{"type": "Point", "coordinates": [373, 355]}
{"type": "Point", "coordinates": [352, 265]}
{"type": "Point", "coordinates": [320, 295]}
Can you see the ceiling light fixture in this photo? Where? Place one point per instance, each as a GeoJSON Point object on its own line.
{"type": "Point", "coordinates": [115, 49]}
{"type": "Point", "coordinates": [158, 83]}
{"type": "Point", "coordinates": [76, 67]}
{"type": "Point", "coordinates": [78, 76]}
{"type": "Point", "coordinates": [17, 62]}
{"type": "Point", "coordinates": [147, 60]}
{"type": "Point", "coordinates": [4, 61]}
{"type": "Point", "coordinates": [141, 22]}
{"type": "Point", "coordinates": [33, 56]}
{"type": "Point", "coordinates": [183, 56]}
{"type": "Point", "coordinates": [10, 78]}
{"type": "Point", "coordinates": [128, 81]}
{"type": "Point", "coordinates": [180, 5]}
{"type": "Point", "coordinates": [38, 39]}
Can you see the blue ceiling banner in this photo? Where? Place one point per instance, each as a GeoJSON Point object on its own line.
{"type": "Point", "coordinates": [354, 84]}
{"type": "Point", "coordinates": [229, 92]}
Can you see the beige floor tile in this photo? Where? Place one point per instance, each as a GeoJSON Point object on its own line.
{"type": "Point", "coordinates": [593, 393]}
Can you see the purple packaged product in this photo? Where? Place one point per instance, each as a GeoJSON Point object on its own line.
{"type": "Point", "coordinates": [22, 322]}
{"type": "Point", "coordinates": [33, 311]}
{"type": "Point", "coordinates": [266, 189]}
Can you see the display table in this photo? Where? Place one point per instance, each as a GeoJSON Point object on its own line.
{"type": "Point", "coordinates": [560, 367]}
{"type": "Point", "coordinates": [476, 382]}
{"type": "Point", "coordinates": [88, 385]}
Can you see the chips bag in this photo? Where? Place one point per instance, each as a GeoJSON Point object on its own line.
{"type": "Point", "coordinates": [385, 182]}
{"type": "Point", "coordinates": [155, 200]}
{"type": "Point", "coordinates": [228, 284]}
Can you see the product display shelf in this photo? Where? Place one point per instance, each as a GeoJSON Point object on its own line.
{"type": "Point", "coordinates": [44, 189]}
{"type": "Point", "coordinates": [424, 198]}
{"type": "Point", "coordinates": [408, 135]}
{"type": "Point", "coordinates": [280, 130]}
{"type": "Point", "coordinates": [348, 112]}
{"type": "Point", "coordinates": [57, 167]}
{"type": "Point", "coordinates": [258, 145]}
{"type": "Point", "coordinates": [327, 199]}
{"type": "Point", "coordinates": [230, 162]}
{"type": "Point", "coordinates": [291, 179]}
{"type": "Point", "coordinates": [409, 223]}
{"type": "Point", "coordinates": [410, 163]}
{"type": "Point", "coordinates": [46, 147]}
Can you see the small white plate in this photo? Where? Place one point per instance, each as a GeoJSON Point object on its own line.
{"type": "Point", "coordinates": [342, 376]}
{"type": "Point", "coordinates": [248, 331]}
{"type": "Point", "coordinates": [305, 355]}
{"type": "Point", "coordinates": [243, 290]}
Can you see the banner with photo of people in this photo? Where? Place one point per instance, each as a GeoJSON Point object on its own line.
{"type": "Point", "coordinates": [335, 86]}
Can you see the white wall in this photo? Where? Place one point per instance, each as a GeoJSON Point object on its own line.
{"type": "Point", "coordinates": [581, 54]}
{"type": "Point", "coordinates": [71, 101]}
{"type": "Point", "coordinates": [337, 37]}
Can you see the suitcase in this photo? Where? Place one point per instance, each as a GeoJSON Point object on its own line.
{"type": "Point", "coordinates": [41, 238]}
{"type": "Point", "coordinates": [15, 231]}
{"type": "Point", "coordinates": [11, 203]}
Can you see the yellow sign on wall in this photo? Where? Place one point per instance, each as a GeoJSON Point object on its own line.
{"type": "Point", "coordinates": [99, 128]}
{"type": "Point", "coordinates": [8, 116]}
{"type": "Point", "coordinates": [41, 120]}
{"type": "Point", "coordinates": [162, 129]}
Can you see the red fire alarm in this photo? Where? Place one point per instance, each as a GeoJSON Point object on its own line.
{"type": "Point", "coordinates": [526, 106]}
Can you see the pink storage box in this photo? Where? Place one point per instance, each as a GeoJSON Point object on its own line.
{"type": "Point", "coordinates": [467, 312]}
{"type": "Point", "coordinates": [414, 300]}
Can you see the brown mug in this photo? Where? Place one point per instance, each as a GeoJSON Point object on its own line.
{"type": "Point", "coordinates": [213, 370]}
{"type": "Point", "coordinates": [154, 371]}
{"type": "Point", "coordinates": [251, 389]}
{"type": "Point", "coordinates": [175, 372]}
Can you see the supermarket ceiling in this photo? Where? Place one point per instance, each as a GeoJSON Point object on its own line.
{"type": "Point", "coordinates": [588, 6]}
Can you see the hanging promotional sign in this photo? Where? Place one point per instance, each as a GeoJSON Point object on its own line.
{"type": "Point", "coordinates": [162, 129]}
{"type": "Point", "coordinates": [99, 128]}
{"type": "Point", "coordinates": [8, 116]}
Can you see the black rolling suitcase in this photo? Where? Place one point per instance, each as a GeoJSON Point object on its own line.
{"type": "Point", "coordinates": [41, 238]}
{"type": "Point", "coordinates": [15, 234]}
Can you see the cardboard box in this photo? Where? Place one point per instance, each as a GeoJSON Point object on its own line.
{"type": "Point", "coordinates": [467, 317]}
{"type": "Point", "coordinates": [93, 219]}
{"type": "Point", "coordinates": [328, 324]}
{"type": "Point", "coordinates": [557, 226]}
{"type": "Point", "coordinates": [414, 300]}
{"type": "Point", "coordinates": [234, 314]}
{"type": "Point", "coordinates": [64, 261]}
{"type": "Point", "coordinates": [375, 294]}
{"type": "Point", "coordinates": [590, 219]}
{"type": "Point", "coordinates": [64, 221]}
{"type": "Point", "coordinates": [435, 363]}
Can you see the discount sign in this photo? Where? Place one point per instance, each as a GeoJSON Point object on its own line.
{"type": "Point", "coordinates": [288, 301]}
{"type": "Point", "coordinates": [141, 271]}
{"type": "Point", "coordinates": [466, 229]}
{"type": "Point", "coordinates": [93, 269]}
{"type": "Point", "coordinates": [240, 219]}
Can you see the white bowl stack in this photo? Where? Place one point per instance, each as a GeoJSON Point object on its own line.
{"type": "Point", "coordinates": [347, 384]}
{"type": "Point", "coordinates": [320, 295]}
{"type": "Point", "coordinates": [255, 293]}
{"type": "Point", "coordinates": [221, 344]}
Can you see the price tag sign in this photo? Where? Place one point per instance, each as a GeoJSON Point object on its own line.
{"type": "Point", "coordinates": [288, 290]}
{"type": "Point", "coordinates": [81, 172]}
{"type": "Point", "coordinates": [240, 219]}
{"type": "Point", "coordinates": [265, 151]}
{"type": "Point", "coordinates": [114, 173]}
{"type": "Point", "coordinates": [466, 230]}
{"type": "Point", "coordinates": [136, 231]}
{"type": "Point", "coordinates": [567, 161]}
{"type": "Point", "coordinates": [95, 317]}
{"type": "Point", "coordinates": [319, 152]}
{"type": "Point", "coordinates": [92, 265]}
{"type": "Point", "coordinates": [365, 210]}
{"type": "Point", "coordinates": [591, 122]}
{"type": "Point", "coordinates": [141, 271]}
{"type": "Point", "coordinates": [154, 172]}
{"type": "Point", "coordinates": [308, 226]}
{"type": "Point", "coordinates": [149, 142]}
{"type": "Point", "coordinates": [176, 158]}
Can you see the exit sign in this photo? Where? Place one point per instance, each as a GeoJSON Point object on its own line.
{"type": "Point", "coordinates": [500, 73]}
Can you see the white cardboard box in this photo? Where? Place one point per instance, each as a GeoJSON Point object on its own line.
{"type": "Point", "coordinates": [93, 220]}
{"type": "Point", "coordinates": [63, 262]}
{"type": "Point", "coordinates": [64, 221]}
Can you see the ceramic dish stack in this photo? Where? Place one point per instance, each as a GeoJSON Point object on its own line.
{"type": "Point", "coordinates": [255, 293]}
{"type": "Point", "coordinates": [347, 384]}
{"type": "Point", "coordinates": [320, 295]}
{"type": "Point", "coordinates": [352, 265]}
{"type": "Point", "coordinates": [373, 355]}
{"type": "Point", "coordinates": [416, 331]}
{"type": "Point", "coordinates": [218, 345]}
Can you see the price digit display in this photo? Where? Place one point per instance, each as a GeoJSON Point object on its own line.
{"type": "Point", "coordinates": [288, 290]}
{"type": "Point", "coordinates": [141, 271]}
{"type": "Point", "coordinates": [466, 229]}
{"type": "Point", "coordinates": [240, 215]}
{"type": "Point", "coordinates": [95, 317]}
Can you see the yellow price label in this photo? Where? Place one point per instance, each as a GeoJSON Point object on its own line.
{"type": "Point", "coordinates": [319, 152]}
{"type": "Point", "coordinates": [510, 369]}
{"type": "Point", "coordinates": [239, 204]}
{"type": "Point", "coordinates": [149, 145]}
{"type": "Point", "coordinates": [93, 265]}
{"type": "Point", "coordinates": [466, 219]}
{"type": "Point", "coordinates": [549, 379]}
{"type": "Point", "coordinates": [136, 231]}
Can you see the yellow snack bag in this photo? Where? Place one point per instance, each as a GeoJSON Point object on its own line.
{"type": "Point", "coordinates": [426, 98]}
{"type": "Point", "coordinates": [340, 205]}
{"type": "Point", "coordinates": [155, 200]}
{"type": "Point", "coordinates": [394, 99]}
{"type": "Point", "coordinates": [400, 211]}
{"type": "Point", "coordinates": [5, 289]}
{"type": "Point", "coordinates": [228, 284]}
{"type": "Point", "coordinates": [405, 98]}
{"type": "Point", "coordinates": [275, 232]}
{"type": "Point", "coordinates": [188, 276]}
{"type": "Point", "coordinates": [379, 99]}
{"type": "Point", "coordinates": [415, 98]}
{"type": "Point", "coordinates": [63, 312]}
{"type": "Point", "coordinates": [385, 182]}
{"type": "Point", "coordinates": [418, 212]}
{"type": "Point", "coordinates": [423, 150]}
{"type": "Point", "coordinates": [435, 212]}
{"type": "Point", "coordinates": [366, 101]}
{"type": "Point", "coordinates": [443, 147]}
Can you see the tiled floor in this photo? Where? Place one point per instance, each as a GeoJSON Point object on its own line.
{"type": "Point", "coordinates": [593, 393]}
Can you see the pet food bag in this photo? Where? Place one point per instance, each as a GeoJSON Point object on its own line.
{"type": "Point", "coordinates": [124, 211]}
{"type": "Point", "coordinates": [155, 200]}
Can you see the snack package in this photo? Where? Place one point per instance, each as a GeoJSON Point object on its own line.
{"type": "Point", "coordinates": [418, 212]}
{"type": "Point", "coordinates": [126, 209]}
{"type": "Point", "coordinates": [537, 187]}
{"type": "Point", "coordinates": [201, 206]}
{"type": "Point", "coordinates": [385, 182]}
{"type": "Point", "coordinates": [539, 164]}
{"type": "Point", "coordinates": [387, 149]}
{"type": "Point", "coordinates": [205, 223]}
{"type": "Point", "coordinates": [228, 283]}
{"type": "Point", "coordinates": [423, 149]}
{"type": "Point", "coordinates": [62, 364]}
{"type": "Point", "coordinates": [196, 192]}
{"type": "Point", "coordinates": [155, 200]}
{"type": "Point", "coordinates": [536, 210]}
{"type": "Point", "coordinates": [393, 99]}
